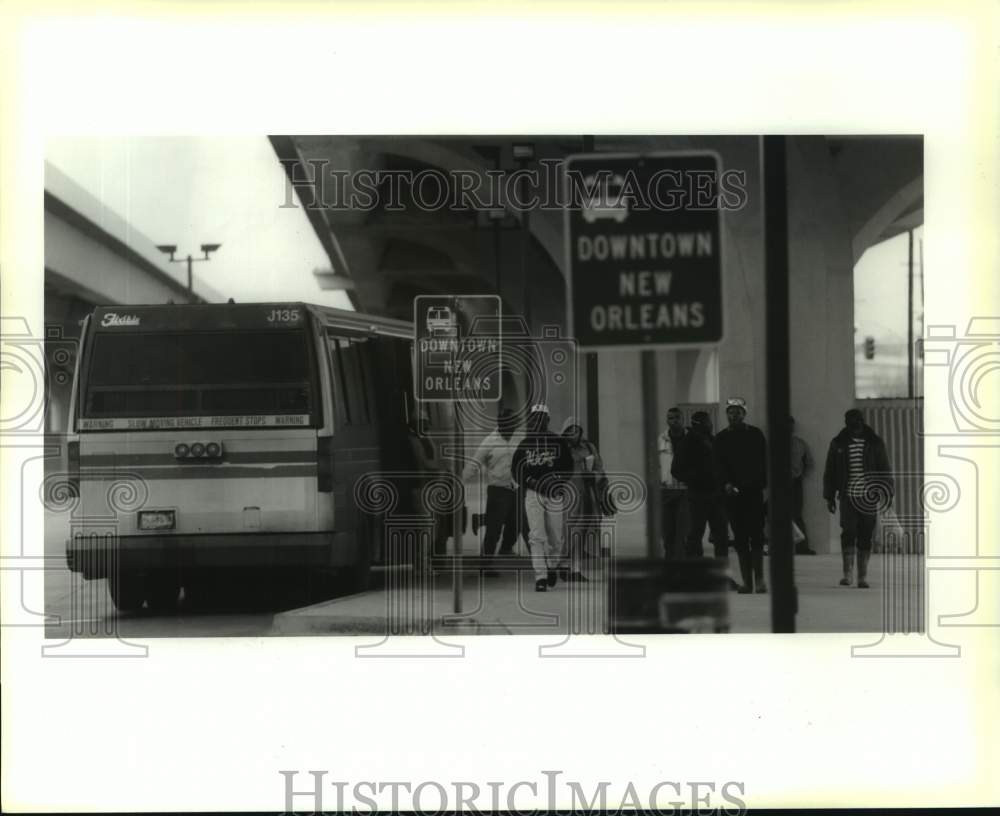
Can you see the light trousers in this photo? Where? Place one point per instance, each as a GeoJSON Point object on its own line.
{"type": "Point", "coordinates": [545, 536]}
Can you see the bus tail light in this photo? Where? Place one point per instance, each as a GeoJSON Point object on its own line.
{"type": "Point", "coordinates": [324, 464]}
{"type": "Point", "coordinates": [73, 466]}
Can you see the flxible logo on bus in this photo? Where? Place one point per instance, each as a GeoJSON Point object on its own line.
{"type": "Point", "coordinates": [115, 319]}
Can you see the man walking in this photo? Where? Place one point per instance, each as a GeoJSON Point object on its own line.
{"type": "Point", "coordinates": [856, 455]}
{"type": "Point", "coordinates": [802, 464]}
{"type": "Point", "coordinates": [741, 468]}
{"type": "Point", "coordinates": [493, 459]}
{"type": "Point", "coordinates": [540, 465]}
{"type": "Point", "coordinates": [694, 466]}
{"type": "Point", "coordinates": [672, 490]}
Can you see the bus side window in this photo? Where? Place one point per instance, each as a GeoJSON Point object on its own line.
{"type": "Point", "coordinates": [340, 383]}
{"type": "Point", "coordinates": [356, 396]}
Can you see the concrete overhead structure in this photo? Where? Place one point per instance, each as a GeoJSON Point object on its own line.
{"type": "Point", "coordinates": [94, 257]}
{"type": "Point", "coordinates": [845, 194]}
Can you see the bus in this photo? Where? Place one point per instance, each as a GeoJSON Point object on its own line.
{"type": "Point", "coordinates": [245, 428]}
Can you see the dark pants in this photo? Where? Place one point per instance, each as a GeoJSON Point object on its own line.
{"type": "Point", "coordinates": [797, 504]}
{"type": "Point", "coordinates": [705, 507]}
{"type": "Point", "coordinates": [675, 520]}
{"type": "Point", "coordinates": [746, 515]}
{"type": "Point", "coordinates": [856, 527]}
{"type": "Point", "coordinates": [501, 520]}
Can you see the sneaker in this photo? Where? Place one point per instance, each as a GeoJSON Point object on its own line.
{"type": "Point", "coordinates": [862, 584]}
{"type": "Point", "coordinates": [563, 574]}
{"type": "Point", "coordinates": [845, 581]}
{"type": "Point", "coordinates": [551, 578]}
{"type": "Point", "coordinates": [761, 589]}
{"type": "Point", "coordinates": [578, 576]}
{"type": "Point", "coordinates": [744, 590]}
{"type": "Point", "coordinates": [541, 585]}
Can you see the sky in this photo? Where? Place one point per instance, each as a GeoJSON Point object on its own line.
{"type": "Point", "coordinates": [190, 191]}
{"type": "Point", "coordinates": [880, 306]}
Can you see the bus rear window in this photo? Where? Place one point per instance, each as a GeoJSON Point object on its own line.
{"type": "Point", "coordinates": [199, 374]}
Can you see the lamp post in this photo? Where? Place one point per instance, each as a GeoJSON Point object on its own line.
{"type": "Point", "coordinates": [170, 249]}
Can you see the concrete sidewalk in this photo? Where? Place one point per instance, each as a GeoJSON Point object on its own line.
{"type": "Point", "coordinates": [508, 604]}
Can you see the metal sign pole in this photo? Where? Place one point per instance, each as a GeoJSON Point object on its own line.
{"type": "Point", "coordinates": [654, 508]}
{"type": "Point", "coordinates": [456, 519]}
{"type": "Point", "coordinates": [456, 586]}
{"type": "Point", "coordinates": [784, 604]}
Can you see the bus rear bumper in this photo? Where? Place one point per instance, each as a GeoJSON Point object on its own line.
{"type": "Point", "coordinates": [93, 557]}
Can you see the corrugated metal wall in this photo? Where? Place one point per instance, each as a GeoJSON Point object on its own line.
{"type": "Point", "coordinates": [897, 422]}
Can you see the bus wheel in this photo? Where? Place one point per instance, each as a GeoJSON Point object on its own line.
{"type": "Point", "coordinates": [357, 577]}
{"type": "Point", "coordinates": [127, 589]}
{"type": "Point", "coordinates": [164, 589]}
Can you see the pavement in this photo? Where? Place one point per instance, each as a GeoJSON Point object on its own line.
{"type": "Point", "coordinates": [508, 604]}
{"type": "Point", "coordinates": [505, 604]}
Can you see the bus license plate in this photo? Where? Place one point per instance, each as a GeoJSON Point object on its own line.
{"type": "Point", "coordinates": [156, 520]}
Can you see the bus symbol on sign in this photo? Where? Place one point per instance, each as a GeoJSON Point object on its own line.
{"type": "Point", "coordinates": [605, 201]}
{"type": "Point", "coordinates": [457, 348]}
{"type": "Point", "coordinates": [441, 322]}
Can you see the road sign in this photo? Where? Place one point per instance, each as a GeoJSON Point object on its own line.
{"type": "Point", "coordinates": [644, 249]}
{"type": "Point", "coordinates": [457, 348]}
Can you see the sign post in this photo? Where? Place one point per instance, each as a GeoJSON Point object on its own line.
{"type": "Point", "coordinates": [644, 261]}
{"type": "Point", "coordinates": [455, 364]}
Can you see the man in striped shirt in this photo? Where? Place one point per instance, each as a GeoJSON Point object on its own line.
{"type": "Point", "coordinates": [859, 474]}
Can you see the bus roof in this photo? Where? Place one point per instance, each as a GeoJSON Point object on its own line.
{"type": "Point", "coordinates": [218, 316]}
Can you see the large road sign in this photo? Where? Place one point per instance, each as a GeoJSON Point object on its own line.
{"type": "Point", "coordinates": [457, 348]}
{"type": "Point", "coordinates": [644, 249]}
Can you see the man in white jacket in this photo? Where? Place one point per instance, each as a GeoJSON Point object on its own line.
{"type": "Point", "coordinates": [492, 462]}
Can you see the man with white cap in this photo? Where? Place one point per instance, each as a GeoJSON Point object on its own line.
{"type": "Point", "coordinates": [741, 468]}
{"type": "Point", "coordinates": [540, 465]}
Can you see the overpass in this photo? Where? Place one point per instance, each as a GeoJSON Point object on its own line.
{"type": "Point", "coordinates": [845, 193]}
{"type": "Point", "coordinates": [93, 257]}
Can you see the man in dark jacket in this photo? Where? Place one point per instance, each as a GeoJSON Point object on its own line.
{"type": "Point", "coordinates": [741, 470]}
{"type": "Point", "coordinates": [859, 474]}
{"type": "Point", "coordinates": [540, 466]}
{"type": "Point", "coordinates": [694, 466]}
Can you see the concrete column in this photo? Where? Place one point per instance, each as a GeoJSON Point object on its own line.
{"type": "Point", "coordinates": [822, 327]}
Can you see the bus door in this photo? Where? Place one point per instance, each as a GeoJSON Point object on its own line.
{"type": "Point", "coordinates": [354, 446]}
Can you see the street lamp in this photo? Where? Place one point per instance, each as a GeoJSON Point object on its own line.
{"type": "Point", "coordinates": [170, 249]}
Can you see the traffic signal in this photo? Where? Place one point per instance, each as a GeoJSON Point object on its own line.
{"type": "Point", "coordinates": [869, 348]}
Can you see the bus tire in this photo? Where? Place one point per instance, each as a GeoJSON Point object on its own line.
{"type": "Point", "coordinates": [357, 577]}
{"type": "Point", "coordinates": [163, 591]}
{"type": "Point", "coordinates": [127, 589]}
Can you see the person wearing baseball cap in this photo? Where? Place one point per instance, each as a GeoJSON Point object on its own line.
{"type": "Point", "coordinates": [741, 470]}
{"type": "Point", "coordinates": [541, 463]}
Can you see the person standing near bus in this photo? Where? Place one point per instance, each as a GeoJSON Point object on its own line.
{"type": "Point", "coordinates": [741, 468]}
{"type": "Point", "coordinates": [427, 465]}
{"type": "Point", "coordinates": [540, 465]}
{"type": "Point", "coordinates": [493, 459]}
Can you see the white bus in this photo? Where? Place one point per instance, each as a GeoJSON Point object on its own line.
{"type": "Point", "coordinates": [245, 427]}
